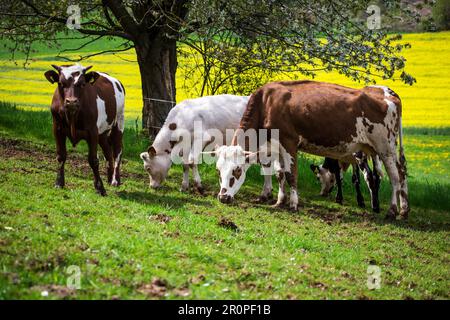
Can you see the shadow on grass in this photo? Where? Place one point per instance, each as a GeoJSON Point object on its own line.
{"type": "Point", "coordinates": [172, 201]}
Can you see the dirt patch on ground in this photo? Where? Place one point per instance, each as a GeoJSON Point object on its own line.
{"type": "Point", "coordinates": [43, 157]}
{"type": "Point", "coordinates": [59, 291]}
{"type": "Point", "coordinates": [228, 224]}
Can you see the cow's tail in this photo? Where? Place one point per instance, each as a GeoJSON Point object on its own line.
{"type": "Point", "coordinates": [401, 151]}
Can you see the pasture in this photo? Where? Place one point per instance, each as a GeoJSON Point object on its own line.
{"type": "Point", "coordinates": [164, 244]}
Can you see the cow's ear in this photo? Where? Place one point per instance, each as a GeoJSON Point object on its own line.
{"type": "Point", "coordinates": [91, 77]}
{"type": "Point", "coordinates": [151, 151]}
{"type": "Point", "coordinates": [52, 76]}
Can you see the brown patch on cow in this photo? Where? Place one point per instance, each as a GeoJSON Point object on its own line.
{"type": "Point", "coordinates": [118, 87]}
{"type": "Point", "coordinates": [280, 176]}
{"type": "Point", "coordinates": [300, 107]}
{"type": "Point", "coordinates": [223, 190]}
{"type": "Point", "coordinates": [167, 151]}
{"type": "Point", "coordinates": [172, 126]}
{"type": "Point", "coordinates": [237, 173]}
{"type": "Point", "coordinates": [232, 180]}
{"type": "Point", "coordinates": [172, 143]}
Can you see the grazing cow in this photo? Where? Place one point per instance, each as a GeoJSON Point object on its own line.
{"type": "Point", "coordinates": [219, 112]}
{"type": "Point", "coordinates": [327, 172]}
{"type": "Point", "coordinates": [89, 106]}
{"type": "Point", "coordinates": [326, 120]}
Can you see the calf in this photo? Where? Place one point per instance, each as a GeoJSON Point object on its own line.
{"type": "Point", "coordinates": [219, 113]}
{"type": "Point", "coordinates": [326, 120]}
{"type": "Point", "coordinates": [331, 168]}
{"type": "Point", "coordinates": [88, 106]}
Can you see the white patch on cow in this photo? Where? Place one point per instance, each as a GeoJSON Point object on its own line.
{"type": "Point", "coordinates": [120, 100]}
{"type": "Point", "coordinates": [116, 168]}
{"type": "Point", "coordinates": [102, 123]}
{"type": "Point", "coordinates": [69, 71]}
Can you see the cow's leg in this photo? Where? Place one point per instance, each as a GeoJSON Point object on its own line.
{"type": "Point", "coordinates": [390, 163]}
{"type": "Point", "coordinates": [291, 175]}
{"type": "Point", "coordinates": [372, 180]}
{"type": "Point", "coordinates": [356, 183]}
{"type": "Point", "coordinates": [94, 163]}
{"type": "Point", "coordinates": [266, 193]}
{"type": "Point", "coordinates": [197, 180]}
{"type": "Point", "coordinates": [61, 156]}
{"type": "Point", "coordinates": [291, 178]}
{"type": "Point", "coordinates": [404, 204]}
{"type": "Point", "coordinates": [107, 152]}
{"type": "Point", "coordinates": [185, 183]}
{"type": "Point", "coordinates": [336, 170]}
{"type": "Point", "coordinates": [375, 188]}
{"type": "Point", "coordinates": [281, 178]}
{"type": "Point", "coordinates": [117, 147]}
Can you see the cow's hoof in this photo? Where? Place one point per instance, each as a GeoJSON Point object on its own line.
{"type": "Point", "coordinates": [293, 209]}
{"type": "Point", "coordinates": [340, 201]}
{"type": "Point", "coordinates": [404, 213]}
{"type": "Point", "coordinates": [376, 210]}
{"type": "Point", "coordinates": [200, 189]}
{"type": "Point", "coordinates": [361, 204]}
{"type": "Point", "coordinates": [278, 205]}
{"type": "Point", "coordinates": [101, 192]}
{"type": "Point", "coordinates": [184, 188]}
{"type": "Point", "coordinates": [115, 183]}
{"type": "Point", "coordinates": [59, 186]}
{"type": "Point", "coordinates": [264, 198]}
{"type": "Point", "coordinates": [392, 213]}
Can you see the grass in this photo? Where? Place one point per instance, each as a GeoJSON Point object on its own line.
{"type": "Point", "coordinates": [141, 243]}
{"type": "Point", "coordinates": [164, 244]}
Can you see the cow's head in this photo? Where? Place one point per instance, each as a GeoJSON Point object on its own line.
{"type": "Point", "coordinates": [157, 166]}
{"type": "Point", "coordinates": [326, 178]}
{"type": "Point", "coordinates": [232, 164]}
{"type": "Point", "coordinates": [71, 80]}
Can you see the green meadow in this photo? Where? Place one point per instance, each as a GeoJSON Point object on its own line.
{"type": "Point", "coordinates": [139, 243]}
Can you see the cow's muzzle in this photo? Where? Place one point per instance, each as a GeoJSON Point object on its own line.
{"type": "Point", "coordinates": [225, 198]}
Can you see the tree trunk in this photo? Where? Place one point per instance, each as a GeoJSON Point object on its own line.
{"type": "Point", "coordinates": [157, 58]}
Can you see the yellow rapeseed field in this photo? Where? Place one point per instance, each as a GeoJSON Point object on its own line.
{"type": "Point", "coordinates": [425, 103]}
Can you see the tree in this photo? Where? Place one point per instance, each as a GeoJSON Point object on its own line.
{"type": "Point", "coordinates": [237, 44]}
{"type": "Point", "coordinates": [441, 14]}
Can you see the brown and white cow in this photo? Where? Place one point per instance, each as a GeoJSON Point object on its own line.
{"type": "Point", "coordinates": [324, 119]}
{"type": "Point", "coordinates": [88, 106]}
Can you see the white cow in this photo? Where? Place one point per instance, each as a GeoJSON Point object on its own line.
{"type": "Point", "coordinates": [220, 112]}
